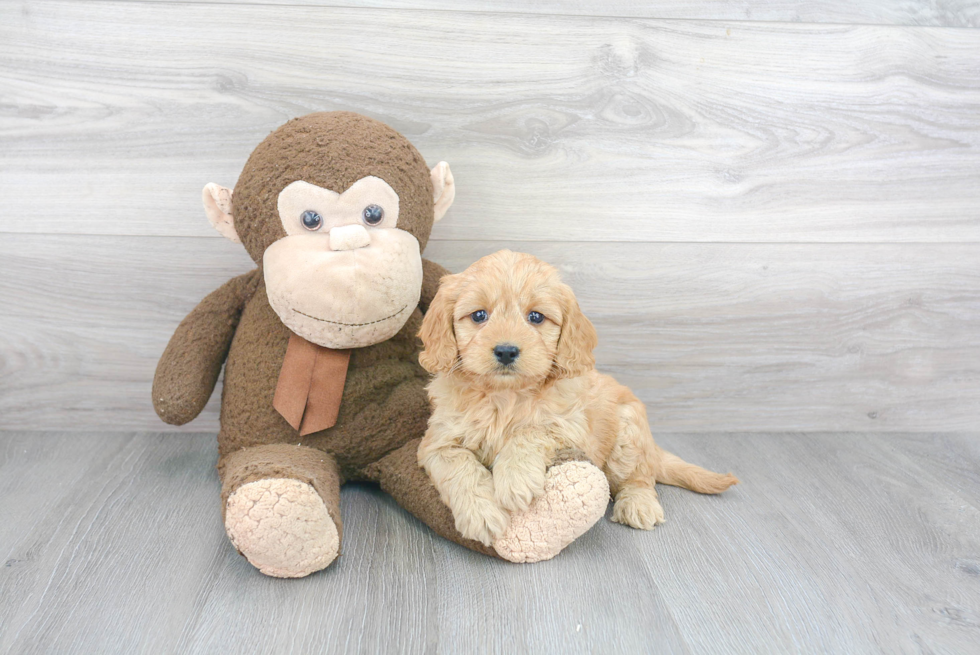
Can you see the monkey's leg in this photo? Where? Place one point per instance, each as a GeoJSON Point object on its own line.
{"type": "Point", "coordinates": [575, 498]}
{"type": "Point", "coordinates": [281, 507]}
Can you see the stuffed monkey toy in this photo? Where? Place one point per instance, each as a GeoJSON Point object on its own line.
{"type": "Point", "coordinates": [320, 346]}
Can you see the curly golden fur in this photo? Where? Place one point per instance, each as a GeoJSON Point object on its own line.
{"type": "Point", "coordinates": [498, 420]}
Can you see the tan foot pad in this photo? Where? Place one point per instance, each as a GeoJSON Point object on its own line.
{"type": "Point", "coordinates": [282, 526]}
{"type": "Point", "coordinates": [575, 497]}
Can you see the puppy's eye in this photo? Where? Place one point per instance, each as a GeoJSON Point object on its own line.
{"type": "Point", "coordinates": [479, 316]}
{"type": "Point", "coordinates": [311, 220]}
{"type": "Point", "coordinates": [536, 317]}
{"type": "Point", "coordinates": [373, 214]}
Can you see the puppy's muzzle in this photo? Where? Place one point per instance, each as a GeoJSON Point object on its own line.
{"type": "Point", "coordinates": [506, 353]}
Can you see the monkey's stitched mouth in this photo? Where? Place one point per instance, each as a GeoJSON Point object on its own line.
{"type": "Point", "coordinates": [323, 320]}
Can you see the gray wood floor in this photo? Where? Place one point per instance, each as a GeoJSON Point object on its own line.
{"type": "Point", "coordinates": [846, 543]}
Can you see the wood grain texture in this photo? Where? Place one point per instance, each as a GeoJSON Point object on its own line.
{"type": "Point", "coordinates": [710, 336]}
{"type": "Point", "coordinates": [949, 458]}
{"type": "Point", "coordinates": [832, 543]}
{"type": "Point", "coordinates": [557, 127]}
{"type": "Point", "coordinates": [949, 13]}
{"type": "Point", "coordinates": [866, 544]}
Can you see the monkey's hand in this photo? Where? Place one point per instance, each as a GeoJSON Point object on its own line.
{"type": "Point", "coordinates": [190, 365]}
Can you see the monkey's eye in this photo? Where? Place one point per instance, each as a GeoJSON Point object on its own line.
{"type": "Point", "coordinates": [536, 317]}
{"type": "Point", "coordinates": [479, 316]}
{"type": "Point", "coordinates": [311, 220]}
{"type": "Point", "coordinates": [373, 214]}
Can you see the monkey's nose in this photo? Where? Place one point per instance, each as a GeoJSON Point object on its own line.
{"type": "Point", "coordinates": [349, 237]}
{"type": "Point", "coordinates": [506, 353]}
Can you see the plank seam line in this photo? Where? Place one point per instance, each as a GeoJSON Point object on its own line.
{"type": "Point", "coordinates": [549, 14]}
{"type": "Point", "coordinates": [790, 433]}
{"type": "Point", "coordinates": [504, 240]}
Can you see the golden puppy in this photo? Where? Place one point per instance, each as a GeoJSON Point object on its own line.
{"type": "Point", "coordinates": [515, 382]}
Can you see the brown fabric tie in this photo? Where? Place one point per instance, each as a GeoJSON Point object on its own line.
{"type": "Point", "coordinates": [311, 384]}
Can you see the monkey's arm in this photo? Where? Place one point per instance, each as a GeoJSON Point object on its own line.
{"type": "Point", "coordinates": [191, 363]}
{"type": "Point", "coordinates": [431, 274]}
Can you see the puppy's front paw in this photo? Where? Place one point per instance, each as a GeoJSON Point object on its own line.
{"type": "Point", "coordinates": [638, 508]}
{"type": "Point", "coordinates": [481, 520]}
{"type": "Point", "coordinates": [515, 488]}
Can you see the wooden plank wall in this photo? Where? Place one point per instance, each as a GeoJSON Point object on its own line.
{"type": "Point", "coordinates": [771, 210]}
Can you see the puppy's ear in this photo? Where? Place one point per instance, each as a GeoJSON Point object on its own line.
{"type": "Point", "coordinates": [577, 340]}
{"type": "Point", "coordinates": [437, 333]}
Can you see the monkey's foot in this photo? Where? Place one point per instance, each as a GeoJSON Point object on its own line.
{"type": "Point", "coordinates": [282, 526]}
{"type": "Point", "coordinates": [575, 497]}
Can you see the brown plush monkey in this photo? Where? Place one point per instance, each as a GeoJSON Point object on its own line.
{"type": "Point", "coordinates": [322, 381]}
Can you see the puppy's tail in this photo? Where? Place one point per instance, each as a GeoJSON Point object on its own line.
{"type": "Point", "coordinates": [675, 471]}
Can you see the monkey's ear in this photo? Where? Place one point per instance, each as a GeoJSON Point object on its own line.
{"type": "Point", "coordinates": [217, 205]}
{"type": "Point", "coordinates": [443, 190]}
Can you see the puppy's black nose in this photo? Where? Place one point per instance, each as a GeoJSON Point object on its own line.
{"type": "Point", "coordinates": [506, 353]}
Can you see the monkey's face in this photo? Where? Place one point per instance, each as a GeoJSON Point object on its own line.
{"type": "Point", "coordinates": [338, 208]}
{"type": "Point", "coordinates": [345, 275]}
